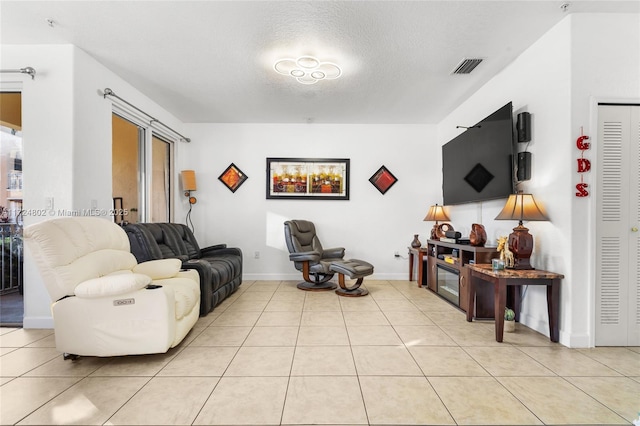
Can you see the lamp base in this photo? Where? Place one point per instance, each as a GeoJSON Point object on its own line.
{"type": "Point", "coordinates": [192, 200]}
{"type": "Point", "coordinates": [521, 244]}
{"type": "Point", "coordinates": [434, 232]}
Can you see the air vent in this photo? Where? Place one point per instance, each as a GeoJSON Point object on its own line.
{"type": "Point", "coordinates": [466, 66]}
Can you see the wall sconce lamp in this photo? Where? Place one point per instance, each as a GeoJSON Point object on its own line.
{"type": "Point", "coordinates": [437, 213]}
{"type": "Point", "coordinates": [189, 184]}
{"type": "Point", "coordinates": [521, 207]}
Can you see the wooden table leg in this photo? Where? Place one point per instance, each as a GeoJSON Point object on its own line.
{"type": "Point", "coordinates": [471, 297]}
{"type": "Point", "coordinates": [410, 265]}
{"type": "Point", "coordinates": [516, 289]}
{"type": "Point", "coordinates": [420, 269]}
{"type": "Point", "coordinates": [499, 301]}
{"type": "Point", "coordinates": [553, 307]}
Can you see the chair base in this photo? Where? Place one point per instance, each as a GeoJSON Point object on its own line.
{"type": "Point", "coordinates": [353, 291]}
{"type": "Point", "coordinates": [325, 286]}
{"type": "Point", "coordinates": [353, 268]}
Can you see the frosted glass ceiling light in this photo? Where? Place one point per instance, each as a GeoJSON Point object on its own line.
{"type": "Point", "coordinates": [307, 69]}
{"type": "Point", "coordinates": [308, 62]}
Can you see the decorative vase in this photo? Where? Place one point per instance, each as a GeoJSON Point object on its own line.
{"type": "Point", "coordinates": [416, 242]}
{"type": "Point", "coordinates": [478, 235]}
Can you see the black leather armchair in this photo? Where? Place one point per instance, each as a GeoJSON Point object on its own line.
{"type": "Point", "coordinates": [308, 255]}
{"type": "Point", "coordinates": [219, 266]}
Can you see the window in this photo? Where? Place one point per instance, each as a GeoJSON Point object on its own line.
{"type": "Point", "coordinates": [142, 179]}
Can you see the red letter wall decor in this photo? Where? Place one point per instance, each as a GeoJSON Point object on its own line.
{"type": "Point", "coordinates": [584, 165]}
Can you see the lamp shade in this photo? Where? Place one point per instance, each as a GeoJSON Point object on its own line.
{"type": "Point", "coordinates": [436, 213]}
{"type": "Point", "coordinates": [521, 207]}
{"type": "Point", "coordinates": [188, 180]}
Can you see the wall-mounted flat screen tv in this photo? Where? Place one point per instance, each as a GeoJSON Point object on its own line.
{"type": "Point", "coordinates": [477, 165]}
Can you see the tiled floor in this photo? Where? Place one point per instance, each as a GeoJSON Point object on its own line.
{"type": "Point", "coordinates": [273, 354]}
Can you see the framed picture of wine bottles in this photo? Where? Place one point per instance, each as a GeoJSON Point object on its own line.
{"type": "Point", "coordinates": [308, 178]}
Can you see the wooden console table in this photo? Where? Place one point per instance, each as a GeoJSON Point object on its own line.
{"type": "Point", "coordinates": [512, 277]}
{"type": "Point", "coordinates": [420, 253]}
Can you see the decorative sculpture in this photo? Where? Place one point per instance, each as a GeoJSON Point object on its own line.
{"type": "Point", "coordinates": [506, 255]}
{"type": "Point", "coordinates": [478, 235]}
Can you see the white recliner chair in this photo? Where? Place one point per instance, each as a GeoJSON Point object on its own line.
{"type": "Point", "coordinates": [103, 302]}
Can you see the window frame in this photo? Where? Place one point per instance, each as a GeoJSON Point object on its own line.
{"type": "Point", "coordinates": [146, 132]}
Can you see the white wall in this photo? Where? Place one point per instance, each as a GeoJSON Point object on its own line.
{"type": "Point", "coordinates": [611, 75]}
{"type": "Point", "coordinates": [371, 226]}
{"type": "Point", "coordinates": [67, 141]}
{"type": "Point", "coordinates": [47, 121]}
{"type": "Point", "coordinates": [555, 80]}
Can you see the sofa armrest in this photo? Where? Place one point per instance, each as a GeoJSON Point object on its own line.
{"type": "Point", "coordinates": [336, 252]}
{"type": "Point", "coordinates": [159, 269]}
{"type": "Point", "coordinates": [111, 285]}
{"type": "Point", "coordinates": [312, 256]}
{"type": "Point", "coordinates": [214, 247]}
{"type": "Point", "coordinates": [207, 250]}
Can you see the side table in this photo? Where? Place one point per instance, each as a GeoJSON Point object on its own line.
{"type": "Point", "coordinates": [481, 273]}
{"type": "Point", "coordinates": [420, 254]}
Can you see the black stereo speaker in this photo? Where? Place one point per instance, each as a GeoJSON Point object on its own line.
{"type": "Point", "coordinates": [524, 166]}
{"type": "Point", "coordinates": [453, 234]}
{"type": "Point", "coordinates": [523, 126]}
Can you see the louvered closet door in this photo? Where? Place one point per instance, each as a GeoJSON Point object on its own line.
{"type": "Point", "coordinates": [618, 239]}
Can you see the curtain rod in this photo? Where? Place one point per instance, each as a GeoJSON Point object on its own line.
{"type": "Point", "coordinates": [25, 70]}
{"type": "Point", "coordinates": [109, 92]}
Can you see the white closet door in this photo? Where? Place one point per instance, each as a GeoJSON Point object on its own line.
{"type": "Point", "coordinates": [618, 219]}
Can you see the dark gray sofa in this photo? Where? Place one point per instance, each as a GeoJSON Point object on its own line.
{"type": "Point", "coordinates": [219, 266]}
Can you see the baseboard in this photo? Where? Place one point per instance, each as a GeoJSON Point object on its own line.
{"type": "Point", "coordinates": [298, 277]}
{"type": "Point", "coordinates": [37, 322]}
{"type": "Point", "coordinates": [533, 323]}
{"type": "Point", "coordinates": [271, 277]}
{"type": "Point", "coordinates": [577, 340]}
{"type": "Point", "coordinates": [570, 340]}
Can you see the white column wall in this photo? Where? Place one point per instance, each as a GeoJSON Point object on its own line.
{"type": "Point", "coordinates": [67, 141]}
{"type": "Point", "coordinates": [612, 74]}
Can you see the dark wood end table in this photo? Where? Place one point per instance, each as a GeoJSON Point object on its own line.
{"type": "Point", "coordinates": [420, 253]}
{"type": "Point", "coordinates": [512, 277]}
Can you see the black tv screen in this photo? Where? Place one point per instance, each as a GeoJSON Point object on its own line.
{"type": "Point", "coordinates": [477, 165]}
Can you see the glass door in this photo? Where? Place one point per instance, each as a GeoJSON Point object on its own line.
{"type": "Point", "coordinates": [160, 180]}
{"type": "Point", "coordinates": [449, 284]}
{"type": "Point", "coordinates": [127, 172]}
{"type": "Point", "coordinates": [11, 249]}
{"type": "Point", "coordinates": [142, 179]}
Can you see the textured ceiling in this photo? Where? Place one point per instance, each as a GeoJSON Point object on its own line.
{"type": "Point", "coordinates": [212, 61]}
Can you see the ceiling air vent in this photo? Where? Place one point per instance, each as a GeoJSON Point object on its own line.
{"type": "Point", "coordinates": [466, 66]}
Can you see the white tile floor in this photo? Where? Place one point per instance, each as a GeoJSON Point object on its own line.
{"type": "Point", "coordinates": [272, 354]}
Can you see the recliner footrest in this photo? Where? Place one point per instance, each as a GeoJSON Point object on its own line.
{"type": "Point", "coordinates": [354, 269]}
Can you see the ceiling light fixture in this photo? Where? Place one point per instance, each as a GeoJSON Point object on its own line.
{"type": "Point", "coordinates": [307, 69]}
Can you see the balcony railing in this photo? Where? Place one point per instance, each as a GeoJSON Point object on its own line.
{"type": "Point", "coordinates": [11, 262]}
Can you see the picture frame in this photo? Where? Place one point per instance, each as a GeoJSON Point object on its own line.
{"type": "Point", "coordinates": [233, 177]}
{"type": "Point", "coordinates": [383, 180]}
{"type": "Point", "coordinates": [308, 178]}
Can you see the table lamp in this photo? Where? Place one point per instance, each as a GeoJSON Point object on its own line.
{"type": "Point", "coordinates": [521, 207]}
{"type": "Point", "coordinates": [437, 213]}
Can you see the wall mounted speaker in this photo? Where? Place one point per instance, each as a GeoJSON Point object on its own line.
{"type": "Point", "coordinates": [523, 126]}
{"type": "Point", "coordinates": [524, 166]}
